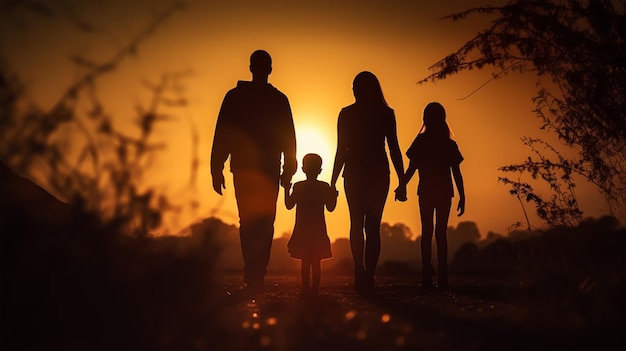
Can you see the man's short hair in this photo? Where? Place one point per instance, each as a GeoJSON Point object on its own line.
{"type": "Point", "coordinates": [260, 58]}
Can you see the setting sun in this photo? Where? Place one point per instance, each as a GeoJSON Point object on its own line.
{"type": "Point", "coordinates": [312, 138]}
{"type": "Point", "coordinates": [314, 66]}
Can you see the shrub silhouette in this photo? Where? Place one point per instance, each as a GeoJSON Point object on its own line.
{"type": "Point", "coordinates": [88, 273]}
{"type": "Point", "coordinates": [580, 269]}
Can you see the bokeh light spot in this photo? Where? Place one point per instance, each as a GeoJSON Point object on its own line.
{"type": "Point", "coordinates": [350, 315]}
{"type": "Point", "coordinates": [265, 340]}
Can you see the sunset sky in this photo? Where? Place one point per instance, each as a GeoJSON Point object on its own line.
{"type": "Point", "coordinates": [317, 47]}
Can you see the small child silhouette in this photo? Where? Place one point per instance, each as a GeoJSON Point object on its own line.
{"type": "Point", "coordinates": [309, 240]}
{"type": "Point", "coordinates": [435, 155]}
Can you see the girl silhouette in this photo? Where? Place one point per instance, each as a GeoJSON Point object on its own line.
{"type": "Point", "coordinates": [309, 241]}
{"type": "Point", "coordinates": [434, 154]}
{"type": "Point", "coordinates": [363, 128]}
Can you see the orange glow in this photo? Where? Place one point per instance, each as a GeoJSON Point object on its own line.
{"type": "Point", "coordinates": [317, 49]}
{"type": "Point", "coordinates": [311, 138]}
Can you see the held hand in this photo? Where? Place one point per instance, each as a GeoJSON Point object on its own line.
{"type": "Point", "coordinates": [400, 193]}
{"type": "Point", "coordinates": [285, 181]}
{"type": "Point", "coordinates": [461, 206]}
{"type": "Point", "coordinates": [218, 183]}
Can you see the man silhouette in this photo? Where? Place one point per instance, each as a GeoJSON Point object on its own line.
{"type": "Point", "coordinates": [255, 128]}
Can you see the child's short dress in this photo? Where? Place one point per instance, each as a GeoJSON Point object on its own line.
{"type": "Point", "coordinates": [309, 239]}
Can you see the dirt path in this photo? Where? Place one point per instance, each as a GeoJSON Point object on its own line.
{"type": "Point", "coordinates": [472, 314]}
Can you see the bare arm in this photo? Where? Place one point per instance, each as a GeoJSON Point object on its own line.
{"type": "Point", "coordinates": [458, 179]}
{"type": "Point", "coordinates": [220, 149]}
{"type": "Point", "coordinates": [331, 199]}
{"type": "Point", "coordinates": [290, 201]}
{"type": "Point", "coordinates": [340, 155]}
{"type": "Point", "coordinates": [396, 159]}
{"type": "Point", "coordinates": [394, 150]}
{"type": "Point", "coordinates": [289, 152]}
{"type": "Point", "coordinates": [410, 171]}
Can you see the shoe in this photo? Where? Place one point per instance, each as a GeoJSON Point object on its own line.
{"type": "Point", "coordinates": [369, 283]}
{"type": "Point", "coordinates": [427, 277]}
{"type": "Point", "coordinates": [442, 276]}
{"type": "Point", "coordinates": [358, 280]}
{"type": "Point", "coordinates": [361, 281]}
{"type": "Point", "coordinates": [364, 283]}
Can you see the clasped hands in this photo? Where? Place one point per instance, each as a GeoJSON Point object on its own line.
{"type": "Point", "coordinates": [400, 193]}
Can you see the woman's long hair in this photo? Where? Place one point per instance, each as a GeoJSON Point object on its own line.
{"type": "Point", "coordinates": [435, 122]}
{"type": "Point", "coordinates": [367, 90]}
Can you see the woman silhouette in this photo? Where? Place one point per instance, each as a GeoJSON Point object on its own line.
{"type": "Point", "coordinates": [436, 156]}
{"type": "Point", "coordinates": [362, 130]}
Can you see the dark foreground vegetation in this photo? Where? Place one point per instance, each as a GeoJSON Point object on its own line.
{"type": "Point", "coordinates": [71, 282]}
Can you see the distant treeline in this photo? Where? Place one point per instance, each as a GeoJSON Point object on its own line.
{"type": "Point", "coordinates": [468, 250]}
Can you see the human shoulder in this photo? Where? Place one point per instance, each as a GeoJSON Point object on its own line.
{"type": "Point", "coordinates": [322, 184]}
{"type": "Point", "coordinates": [299, 184]}
{"type": "Point", "coordinates": [416, 146]}
{"type": "Point", "coordinates": [419, 139]}
{"type": "Point", "coordinates": [347, 112]}
{"type": "Point", "coordinates": [452, 145]}
{"type": "Point", "coordinates": [271, 91]}
{"type": "Point", "coordinates": [348, 109]}
{"type": "Point", "coordinates": [275, 90]}
{"type": "Point", "coordinates": [455, 153]}
{"type": "Point", "coordinates": [241, 87]}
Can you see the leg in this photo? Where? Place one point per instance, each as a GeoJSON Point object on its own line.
{"type": "Point", "coordinates": [426, 213]}
{"type": "Point", "coordinates": [356, 208]}
{"type": "Point", "coordinates": [256, 196]}
{"type": "Point", "coordinates": [316, 269]}
{"type": "Point", "coordinates": [441, 227]}
{"type": "Point", "coordinates": [306, 268]}
{"type": "Point", "coordinates": [256, 244]}
{"type": "Point", "coordinates": [357, 240]}
{"type": "Point", "coordinates": [372, 244]}
{"type": "Point", "coordinates": [356, 191]}
{"type": "Point", "coordinates": [375, 205]}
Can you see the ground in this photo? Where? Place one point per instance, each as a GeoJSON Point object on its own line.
{"type": "Point", "coordinates": [475, 313]}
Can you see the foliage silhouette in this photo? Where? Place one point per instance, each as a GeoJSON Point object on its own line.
{"type": "Point", "coordinates": [562, 208]}
{"type": "Point", "coordinates": [579, 46]}
{"type": "Point", "coordinates": [577, 269]}
{"type": "Point", "coordinates": [105, 177]}
{"type": "Point", "coordinates": [87, 273]}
